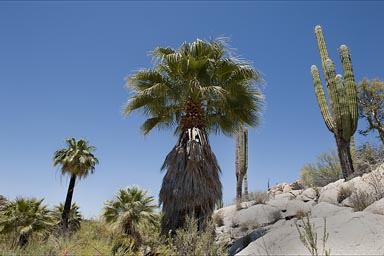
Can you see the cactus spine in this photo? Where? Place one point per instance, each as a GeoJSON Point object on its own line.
{"type": "Point", "coordinates": [341, 118]}
{"type": "Point", "coordinates": [241, 163]}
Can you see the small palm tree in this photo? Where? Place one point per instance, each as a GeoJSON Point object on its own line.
{"type": "Point", "coordinates": [24, 218]}
{"type": "Point", "coordinates": [74, 219]}
{"type": "Point", "coordinates": [129, 209]}
{"type": "Point", "coordinates": [77, 161]}
{"type": "Point", "coordinates": [197, 89]}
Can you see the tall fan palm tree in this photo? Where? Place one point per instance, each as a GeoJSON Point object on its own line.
{"type": "Point", "coordinates": [130, 208]}
{"type": "Point", "coordinates": [77, 161]}
{"type": "Point", "coordinates": [24, 218]}
{"type": "Point", "coordinates": [197, 89]}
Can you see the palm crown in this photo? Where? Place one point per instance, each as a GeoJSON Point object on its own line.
{"type": "Point", "coordinates": [198, 85]}
{"type": "Point", "coordinates": [24, 218]}
{"type": "Point", "coordinates": [76, 159]}
{"type": "Point", "coordinates": [130, 207]}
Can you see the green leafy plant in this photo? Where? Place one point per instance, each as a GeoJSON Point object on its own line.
{"type": "Point", "coordinates": [371, 105]}
{"type": "Point", "coordinates": [25, 219]}
{"type": "Point", "coordinates": [129, 209]}
{"type": "Point", "coordinates": [327, 169]}
{"type": "Point", "coordinates": [190, 241]}
{"type": "Point", "coordinates": [308, 236]}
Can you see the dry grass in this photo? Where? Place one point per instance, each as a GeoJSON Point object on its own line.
{"type": "Point", "coordinates": [259, 197]}
{"type": "Point", "coordinates": [361, 200]}
{"type": "Point", "coordinates": [218, 219]}
{"type": "Point", "coordinates": [344, 193]}
{"type": "Point", "coordinates": [300, 214]}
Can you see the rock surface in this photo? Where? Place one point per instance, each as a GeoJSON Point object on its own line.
{"type": "Point", "coordinates": [272, 228]}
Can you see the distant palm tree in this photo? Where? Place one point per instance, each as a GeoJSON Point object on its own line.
{"type": "Point", "coordinates": [74, 218]}
{"type": "Point", "coordinates": [25, 218]}
{"type": "Point", "coordinates": [198, 88]}
{"type": "Point", "coordinates": [129, 209]}
{"type": "Point", "coordinates": [77, 161]}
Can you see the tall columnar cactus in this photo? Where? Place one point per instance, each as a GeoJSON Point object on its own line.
{"type": "Point", "coordinates": [341, 118]}
{"type": "Point", "coordinates": [241, 162]}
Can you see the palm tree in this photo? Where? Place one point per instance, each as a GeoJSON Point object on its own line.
{"type": "Point", "coordinates": [24, 218]}
{"type": "Point", "coordinates": [130, 208]}
{"type": "Point", "coordinates": [74, 219]}
{"type": "Point", "coordinates": [197, 89]}
{"type": "Point", "coordinates": [77, 161]}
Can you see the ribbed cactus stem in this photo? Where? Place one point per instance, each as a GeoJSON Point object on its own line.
{"type": "Point", "coordinates": [245, 138]}
{"type": "Point", "coordinates": [322, 101]}
{"type": "Point", "coordinates": [350, 85]}
{"type": "Point", "coordinates": [344, 110]}
{"type": "Point", "coordinates": [341, 118]}
{"type": "Point", "coordinates": [245, 163]}
{"type": "Point", "coordinates": [332, 91]}
{"type": "Point", "coordinates": [321, 45]}
{"type": "Point", "coordinates": [241, 160]}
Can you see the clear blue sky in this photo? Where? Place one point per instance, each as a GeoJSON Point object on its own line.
{"type": "Point", "coordinates": [63, 67]}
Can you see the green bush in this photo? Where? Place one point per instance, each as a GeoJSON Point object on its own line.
{"type": "Point", "coordinates": [190, 241]}
{"type": "Point", "coordinates": [368, 157]}
{"type": "Point", "coordinates": [327, 169]}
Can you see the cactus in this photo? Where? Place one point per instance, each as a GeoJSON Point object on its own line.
{"type": "Point", "coordinates": [241, 162]}
{"type": "Point", "coordinates": [341, 118]}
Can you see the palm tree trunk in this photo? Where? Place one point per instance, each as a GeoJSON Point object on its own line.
{"type": "Point", "coordinates": [67, 206]}
{"type": "Point", "coordinates": [344, 152]}
{"type": "Point", "coordinates": [23, 240]}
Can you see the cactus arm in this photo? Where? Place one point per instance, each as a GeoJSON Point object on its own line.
{"type": "Point", "coordinates": [332, 92]}
{"type": "Point", "coordinates": [245, 150]}
{"type": "Point", "coordinates": [350, 86]}
{"type": "Point", "coordinates": [241, 157]}
{"type": "Point", "coordinates": [322, 48]}
{"type": "Point", "coordinates": [237, 163]}
{"type": "Point", "coordinates": [320, 95]}
{"type": "Point", "coordinates": [345, 114]}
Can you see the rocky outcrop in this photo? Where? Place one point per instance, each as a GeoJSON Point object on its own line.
{"type": "Point", "coordinates": [272, 228]}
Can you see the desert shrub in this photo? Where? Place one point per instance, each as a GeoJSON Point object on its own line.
{"type": "Point", "coordinates": [343, 193]}
{"type": "Point", "coordinates": [190, 241]}
{"type": "Point", "coordinates": [376, 180]}
{"type": "Point", "coordinates": [327, 169]}
{"type": "Point", "coordinates": [361, 200]}
{"type": "Point", "coordinates": [259, 197]}
{"type": "Point", "coordinates": [368, 157]}
{"type": "Point", "coordinates": [218, 219]}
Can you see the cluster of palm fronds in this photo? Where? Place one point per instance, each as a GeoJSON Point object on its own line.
{"type": "Point", "coordinates": [26, 219]}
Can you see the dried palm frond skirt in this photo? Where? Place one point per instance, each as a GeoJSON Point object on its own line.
{"type": "Point", "coordinates": [191, 185]}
